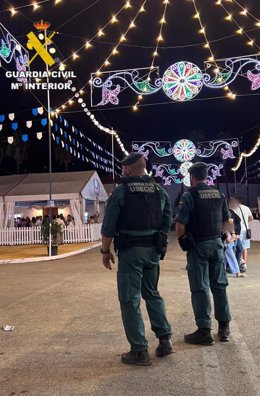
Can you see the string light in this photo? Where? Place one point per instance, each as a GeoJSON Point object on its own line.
{"type": "Point", "coordinates": [13, 11]}
{"type": "Point", "coordinates": [155, 54]}
{"type": "Point", "coordinates": [207, 43]}
{"type": "Point", "coordinates": [246, 155]}
{"type": "Point", "coordinates": [246, 12]}
{"type": "Point", "coordinates": [34, 4]}
{"type": "Point", "coordinates": [240, 30]}
{"type": "Point", "coordinates": [100, 31]}
{"type": "Point", "coordinates": [122, 37]}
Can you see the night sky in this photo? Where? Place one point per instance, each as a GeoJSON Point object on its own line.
{"type": "Point", "coordinates": [158, 118]}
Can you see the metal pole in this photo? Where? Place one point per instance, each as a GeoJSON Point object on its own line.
{"type": "Point", "coordinates": [50, 154]}
{"type": "Point", "coordinates": [247, 186]}
{"type": "Point", "coordinates": [113, 159]}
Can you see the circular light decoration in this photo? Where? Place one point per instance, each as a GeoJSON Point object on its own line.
{"type": "Point", "coordinates": [184, 150]}
{"type": "Point", "coordinates": [182, 81]}
{"type": "Point", "coordinates": [185, 167]}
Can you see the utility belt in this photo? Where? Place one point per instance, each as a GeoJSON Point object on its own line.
{"type": "Point", "coordinates": [187, 242]}
{"type": "Point", "coordinates": [157, 240]}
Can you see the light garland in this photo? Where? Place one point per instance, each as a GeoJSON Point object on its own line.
{"type": "Point", "coordinates": [35, 5]}
{"type": "Point", "coordinates": [88, 44]}
{"type": "Point", "coordinates": [246, 155]}
{"type": "Point", "coordinates": [246, 12]}
{"type": "Point", "coordinates": [155, 54]}
{"type": "Point", "coordinates": [240, 30]}
{"type": "Point", "coordinates": [122, 38]}
{"type": "Point", "coordinates": [207, 45]}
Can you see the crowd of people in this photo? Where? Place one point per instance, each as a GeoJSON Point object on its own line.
{"type": "Point", "coordinates": [26, 222]}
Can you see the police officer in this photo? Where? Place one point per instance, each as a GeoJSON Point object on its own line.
{"type": "Point", "coordinates": [199, 222]}
{"type": "Point", "coordinates": [138, 216]}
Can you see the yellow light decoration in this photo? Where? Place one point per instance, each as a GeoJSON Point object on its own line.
{"type": "Point", "coordinates": [240, 30]}
{"type": "Point", "coordinates": [246, 12]}
{"type": "Point", "coordinates": [246, 155]}
{"type": "Point", "coordinates": [13, 11]}
{"type": "Point", "coordinates": [35, 6]}
{"type": "Point", "coordinates": [123, 36]}
{"type": "Point", "coordinates": [101, 32]}
{"type": "Point", "coordinates": [207, 43]}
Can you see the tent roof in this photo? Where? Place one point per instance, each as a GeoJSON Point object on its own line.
{"type": "Point", "coordinates": [35, 186]}
{"type": "Point", "coordinates": [7, 183]}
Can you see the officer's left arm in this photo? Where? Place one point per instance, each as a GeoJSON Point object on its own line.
{"type": "Point", "coordinates": [167, 213]}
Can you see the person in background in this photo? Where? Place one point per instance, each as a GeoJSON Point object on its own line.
{"type": "Point", "coordinates": [199, 223]}
{"type": "Point", "coordinates": [39, 221]}
{"type": "Point", "coordinates": [28, 222]}
{"type": "Point", "coordinates": [91, 220]}
{"type": "Point", "coordinates": [61, 223]}
{"type": "Point", "coordinates": [33, 221]}
{"type": "Point", "coordinates": [246, 216]}
{"type": "Point", "coordinates": [233, 205]}
{"type": "Point", "coordinates": [230, 256]}
{"type": "Point", "coordinates": [96, 216]}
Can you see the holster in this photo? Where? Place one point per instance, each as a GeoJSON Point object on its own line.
{"type": "Point", "coordinates": [187, 242]}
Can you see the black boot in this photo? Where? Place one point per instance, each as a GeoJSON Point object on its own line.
{"type": "Point", "coordinates": [139, 358]}
{"type": "Point", "coordinates": [223, 331]}
{"type": "Point", "coordinates": [200, 337]}
{"type": "Point", "coordinates": [164, 348]}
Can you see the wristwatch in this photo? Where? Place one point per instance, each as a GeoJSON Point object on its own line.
{"type": "Point", "coordinates": [104, 251]}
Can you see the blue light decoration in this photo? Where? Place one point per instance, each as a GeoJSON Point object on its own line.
{"type": "Point", "coordinates": [184, 151]}
{"type": "Point", "coordinates": [12, 53]}
{"type": "Point", "coordinates": [181, 82]}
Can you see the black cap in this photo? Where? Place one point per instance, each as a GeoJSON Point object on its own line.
{"type": "Point", "coordinates": [197, 166]}
{"type": "Point", "coordinates": [131, 159]}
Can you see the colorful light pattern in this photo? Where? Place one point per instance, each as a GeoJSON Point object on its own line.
{"type": "Point", "coordinates": [184, 150]}
{"type": "Point", "coordinates": [12, 52]}
{"type": "Point", "coordinates": [182, 81]}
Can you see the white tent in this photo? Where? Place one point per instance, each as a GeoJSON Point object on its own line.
{"type": "Point", "coordinates": [75, 187]}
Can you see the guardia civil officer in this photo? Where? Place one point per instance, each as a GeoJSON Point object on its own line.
{"type": "Point", "coordinates": [199, 223]}
{"type": "Point", "coordinates": [138, 216]}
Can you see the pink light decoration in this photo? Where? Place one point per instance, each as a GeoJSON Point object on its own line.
{"type": "Point", "coordinates": [227, 153]}
{"type": "Point", "coordinates": [255, 78]}
{"type": "Point", "coordinates": [110, 96]}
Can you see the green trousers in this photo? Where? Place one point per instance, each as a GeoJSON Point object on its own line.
{"type": "Point", "coordinates": [206, 271]}
{"type": "Point", "coordinates": [138, 275]}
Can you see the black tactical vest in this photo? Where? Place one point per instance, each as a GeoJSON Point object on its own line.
{"type": "Point", "coordinates": [142, 208]}
{"type": "Point", "coordinates": [206, 219]}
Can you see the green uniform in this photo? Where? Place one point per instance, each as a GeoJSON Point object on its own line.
{"type": "Point", "coordinates": [138, 272]}
{"type": "Point", "coordinates": [206, 270]}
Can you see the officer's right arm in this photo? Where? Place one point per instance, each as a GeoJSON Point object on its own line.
{"type": "Point", "coordinates": [113, 208]}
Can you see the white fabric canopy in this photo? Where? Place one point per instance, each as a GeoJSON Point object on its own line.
{"type": "Point", "coordinates": [75, 208]}
{"type": "Point", "coordinates": [2, 214]}
{"type": "Point", "coordinates": [9, 214]}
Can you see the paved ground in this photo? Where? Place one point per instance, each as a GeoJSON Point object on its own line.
{"type": "Point", "coordinates": [68, 334]}
{"type": "Point", "coordinates": [33, 251]}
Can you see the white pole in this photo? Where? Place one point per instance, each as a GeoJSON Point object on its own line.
{"type": "Point", "coordinates": [50, 156]}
